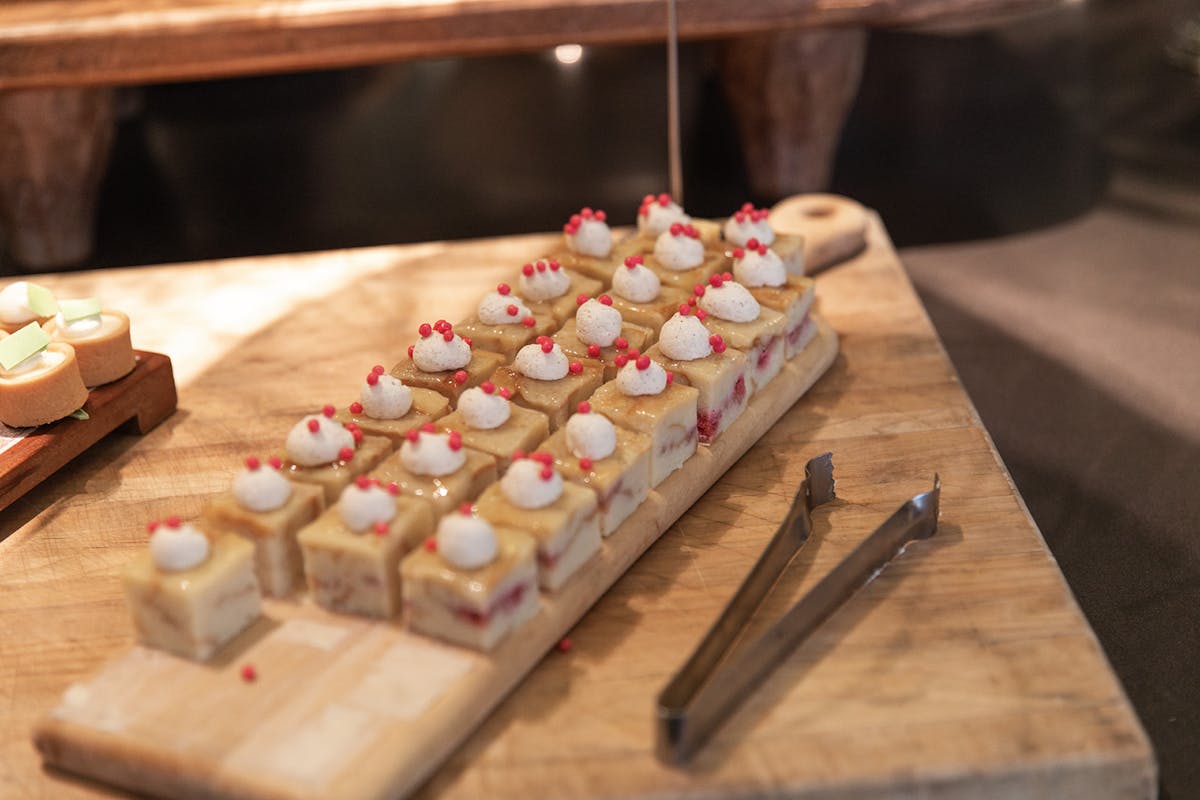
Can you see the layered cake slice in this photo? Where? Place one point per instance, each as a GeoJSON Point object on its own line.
{"type": "Point", "coordinates": [504, 324]}
{"type": "Point", "coordinates": [435, 467]}
{"type": "Point", "coordinates": [100, 338]}
{"type": "Point", "coordinates": [613, 462]}
{"type": "Point", "coordinates": [641, 298]}
{"type": "Point", "coordinates": [544, 379]}
{"type": "Point", "coordinates": [326, 453]}
{"type": "Point", "coordinates": [190, 594]}
{"type": "Point", "coordinates": [268, 510]}
{"type": "Point", "coordinates": [736, 316]}
{"type": "Point", "coordinates": [750, 223]}
{"type": "Point", "coordinates": [472, 584]}
{"type": "Point", "coordinates": [681, 260]}
{"type": "Point", "coordinates": [561, 517]}
{"type": "Point", "coordinates": [352, 552]}
{"type": "Point", "coordinates": [598, 333]}
{"type": "Point", "coordinates": [548, 288]}
{"type": "Point", "coordinates": [760, 269]}
{"type": "Point", "coordinates": [386, 407]}
{"type": "Point", "coordinates": [700, 358]}
{"type": "Point", "coordinates": [444, 362]}
{"type": "Point", "coordinates": [587, 245]}
{"type": "Point", "coordinates": [645, 398]}
{"type": "Point", "coordinates": [40, 381]}
{"type": "Point", "coordinates": [491, 423]}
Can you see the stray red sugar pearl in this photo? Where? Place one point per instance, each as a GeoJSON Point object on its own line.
{"type": "Point", "coordinates": [487, 387]}
{"type": "Point", "coordinates": [585, 464]}
{"type": "Point", "coordinates": [173, 521]}
{"type": "Point", "coordinates": [529, 322]}
{"type": "Point", "coordinates": [564, 645]}
{"type": "Point", "coordinates": [505, 392]}
{"type": "Point", "coordinates": [362, 482]}
{"type": "Point", "coordinates": [253, 463]}
{"type": "Point", "coordinates": [465, 509]}
{"type": "Point", "coordinates": [381, 528]}
{"type": "Point", "coordinates": [727, 276]}
{"type": "Point", "coordinates": [593, 351]}
{"type": "Point", "coordinates": [356, 407]}
{"type": "Point", "coordinates": [460, 376]}
{"type": "Point", "coordinates": [152, 526]}
{"type": "Point", "coordinates": [431, 545]}
{"type": "Point", "coordinates": [276, 462]}
{"type": "Point", "coordinates": [584, 407]}
{"type": "Point", "coordinates": [314, 426]}
{"type": "Point", "coordinates": [249, 673]}
{"type": "Point", "coordinates": [518, 454]}
{"type": "Point", "coordinates": [575, 368]}
{"type": "Point", "coordinates": [504, 288]}
{"type": "Point", "coordinates": [357, 433]}
{"type": "Point", "coordinates": [428, 427]}
{"type": "Point", "coordinates": [425, 330]}
{"type": "Point", "coordinates": [393, 488]}
{"type": "Point", "coordinates": [621, 343]}
{"type": "Point", "coordinates": [670, 378]}
{"type": "Point", "coordinates": [410, 351]}
{"type": "Point", "coordinates": [346, 453]}
{"type": "Point", "coordinates": [412, 435]}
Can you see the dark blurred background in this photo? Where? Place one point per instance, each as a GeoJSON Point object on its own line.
{"type": "Point", "coordinates": [1042, 176]}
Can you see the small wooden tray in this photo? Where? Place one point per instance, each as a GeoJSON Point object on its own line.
{"type": "Point", "coordinates": [347, 707]}
{"type": "Point", "coordinates": [142, 399]}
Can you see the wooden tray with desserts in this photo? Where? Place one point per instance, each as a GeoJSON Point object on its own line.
{"type": "Point", "coordinates": [454, 523]}
{"type": "Point", "coordinates": [69, 376]}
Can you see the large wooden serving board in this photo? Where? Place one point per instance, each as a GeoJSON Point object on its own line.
{"type": "Point", "coordinates": [965, 670]}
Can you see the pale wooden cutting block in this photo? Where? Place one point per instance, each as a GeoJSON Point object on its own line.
{"type": "Point", "coordinates": [343, 707]}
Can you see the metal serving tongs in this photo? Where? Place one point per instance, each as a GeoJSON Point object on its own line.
{"type": "Point", "coordinates": [704, 691]}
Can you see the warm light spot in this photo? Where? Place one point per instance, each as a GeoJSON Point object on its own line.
{"type": "Point", "coordinates": [568, 53]}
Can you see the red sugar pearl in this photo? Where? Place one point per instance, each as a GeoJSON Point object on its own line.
{"type": "Point", "coordinates": [676, 228]}
{"type": "Point", "coordinates": [252, 463]}
{"type": "Point", "coordinates": [511, 310]}
{"type": "Point", "coordinates": [441, 326]}
{"type": "Point", "coordinates": [152, 525]}
{"type": "Point", "coordinates": [505, 392]}
{"type": "Point", "coordinates": [670, 378]}
{"type": "Point", "coordinates": [362, 482]}
{"type": "Point", "coordinates": [701, 314]}
{"type": "Point", "coordinates": [581, 299]}
{"type": "Point", "coordinates": [546, 474]}
{"type": "Point", "coordinates": [346, 453]}
{"type": "Point", "coordinates": [460, 376]}
{"type": "Point", "coordinates": [621, 360]}
{"type": "Point", "coordinates": [431, 545]}
{"type": "Point", "coordinates": [328, 411]}
{"type": "Point", "coordinates": [527, 270]}
{"type": "Point", "coordinates": [314, 426]}
{"type": "Point", "coordinates": [554, 267]}
{"type": "Point", "coordinates": [455, 441]}
{"type": "Point", "coordinates": [249, 673]}
{"type": "Point", "coordinates": [584, 407]}
{"type": "Point", "coordinates": [488, 387]}
{"type": "Point", "coordinates": [372, 379]}
{"type": "Point", "coordinates": [529, 322]}
{"type": "Point", "coordinates": [378, 369]}
{"type": "Point", "coordinates": [504, 288]}
{"type": "Point", "coordinates": [410, 351]}
{"type": "Point", "coordinates": [643, 362]}
{"type": "Point", "coordinates": [605, 300]}
{"type": "Point", "coordinates": [357, 433]}
{"type": "Point", "coordinates": [518, 454]}
{"type": "Point", "coordinates": [448, 336]}
{"type": "Point", "coordinates": [412, 435]}
{"type": "Point", "coordinates": [585, 464]}
{"type": "Point", "coordinates": [739, 253]}
{"type": "Point", "coordinates": [356, 407]}
{"type": "Point", "coordinates": [633, 352]}
{"type": "Point", "coordinates": [684, 310]}
{"type": "Point", "coordinates": [428, 427]}
{"type": "Point", "coordinates": [541, 266]}
{"type": "Point", "coordinates": [381, 528]}
{"type": "Point", "coordinates": [425, 330]}
{"type": "Point", "coordinates": [621, 343]}
{"type": "Point", "coordinates": [727, 276]}
{"type": "Point", "coordinates": [575, 368]}
{"type": "Point", "coordinates": [276, 462]}
{"type": "Point", "coordinates": [173, 521]}
{"type": "Point", "coordinates": [465, 509]}
{"type": "Point", "coordinates": [547, 346]}
{"type": "Point", "coordinates": [752, 243]}
{"type": "Point", "coordinates": [393, 488]}
{"type": "Point", "coordinates": [634, 261]}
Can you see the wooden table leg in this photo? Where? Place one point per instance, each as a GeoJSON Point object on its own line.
{"type": "Point", "coordinates": [791, 93]}
{"type": "Point", "coordinates": [54, 148]}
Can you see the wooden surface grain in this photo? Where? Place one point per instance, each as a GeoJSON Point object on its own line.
{"type": "Point", "coordinates": [88, 42]}
{"type": "Point", "coordinates": [965, 670]}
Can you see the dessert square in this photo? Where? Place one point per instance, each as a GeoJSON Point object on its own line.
{"type": "Point", "coordinates": [506, 339]}
{"type": "Point", "coordinates": [557, 398]}
{"type": "Point", "coordinates": [524, 430]}
{"type": "Point", "coordinates": [790, 249]}
{"type": "Point", "coordinates": [358, 572]}
{"type": "Point", "coordinates": [567, 531]}
{"type": "Point", "coordinates": [446, 492]}
{"type": "Point", "coordinates": [653, 314]}
{"type": "Point", "coordinates": [621, 481]}
{"type": "Point", "coordinates": [714, 262]}
{"type": "Point", "coordinates": [720, 379]}
{"type": "Point", "coordinates": [452, 382]}
{"type": "Point", "coordinates": [794, 300]}
{"type": "Point", "coordinates": [278, 565]}
{"type": "Point", "coordinates": [194, 612]}
{"type": "Point", "coordinates": [669, 419]}
{"type": "Point", "coordinates": [472, 607]}
{"type": "Point", "coordinates": [762, 340]}
{"type": "Point", "coordinates": [337, 475]}
{"type": "Point", "coordinates": [590, 267]}
{"type": "Point", "coordinates": [427, 405]}
{"type": "Point", "coordinates": [632, 335]}
{"type": "Point", "coordinates": [547, 293]}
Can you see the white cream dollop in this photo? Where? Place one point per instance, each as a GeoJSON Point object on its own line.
{"type": "Point", "coordinates": [389, 398]}
{"type": "Point", "coordinates": [525, 487]}
{"type": "Point", "coordinates": [656, 216]}
{"type": "Point", "coordinates": [41, 360]}
{"type": "Point", "coordinates": [361, 508]}
{"type": "Point", "coordinates": [760, 269]}
{"type": "Point", "coordinates": [678, 251]}
{"type": "Point", "coordinates": [79, 327]}
{"type": "Point", "coordinates": [14, 304]}
{"type": "Point", "coordinates": [466, 541]}
{"type": "Point", "coordinates": [591, 236]}
{"type": "Point", "coordinates": [637, 284]}
{"type": "Point", "coordinates": [597, 323]}
{"type": "Point", "coordinates": [591, 435]}
{"type": "Point", "coordinates": [730, 301]}
{"type": "Point", "coordinates": [431, 454]}
{"type": "Point", "coordinates": [533, 362]}
{"type": "Point", "coordinates": [313, 448]}
{"type": "Point", "coordinates": [495, 308]}
{"type": "Point", "coordinates": [748, 223]}
{"type": "Point", "coordinates": [434, 354]}
{"type": "Point", "coordinates": [261, 489]}
{"type": "Point", "coordinates": [684, 338]}
{"type": "Point", "coordinates": [178, 549]}
{"type": "Point", "coordinates": [483, 411]}
{"type": "Point", "coordinates": [634, 382]}
{"type": "Point", "coordinates": [540, 282]}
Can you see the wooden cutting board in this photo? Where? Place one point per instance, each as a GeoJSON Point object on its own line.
{"type": "Point", "coordinates": [964, 670]}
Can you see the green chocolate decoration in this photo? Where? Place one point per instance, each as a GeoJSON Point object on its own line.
{"type": "Point", "coordinates": [79, 309]}
{"type": "Point", "coordinates": [19, 346]}
{"type": "Point", "coordinates": [41, 300]}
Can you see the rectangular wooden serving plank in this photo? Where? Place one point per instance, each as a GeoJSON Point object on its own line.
{"type": "Point", "coordinates": [146, 396]}
{"type": "Point", "coordinates": [345, 707]}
